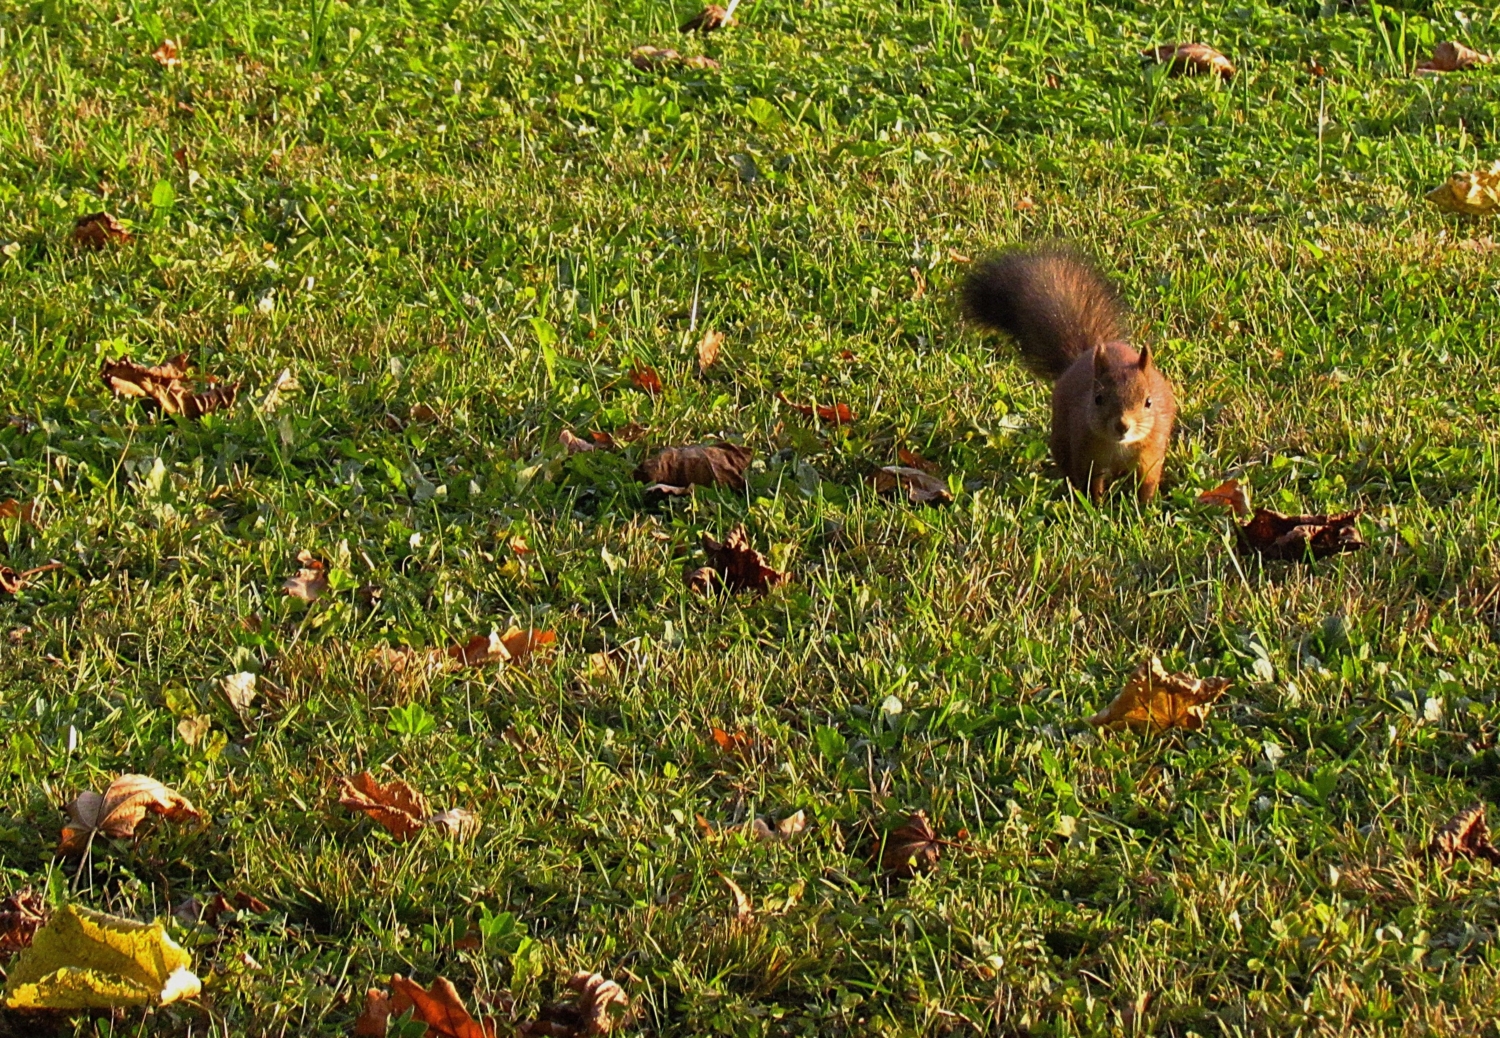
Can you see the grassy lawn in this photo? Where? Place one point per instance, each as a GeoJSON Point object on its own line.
{"type": "Point", "coordinates": [460, 226]}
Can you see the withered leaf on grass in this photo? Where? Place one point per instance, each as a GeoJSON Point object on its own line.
{"type": "Point", "coordinates": [1231, 494]}
{"type": "Point", "coordinates": [743, 912]}
{"type": "Point", "coordinates": [645, 379]}
{"type": "Point", "coordinates": [739, 743]}
{"type": "Point", "coordinates": [1452, 56]}
{"type": "Point", "coordinates": [1190, 59]}
{"type": "Point", "coordinates": [165, 386]}
{"type": "Point", "coordinates": [514, 646]}
{"type": "Point", "coordinates": [911, 847]}
{"type": "Point", "coordinates": [1466, 835]}
{"type": "Point", "coordinates": [192, 911]}
{"type": "Point", "coordinates": [921, 488]}
{"type": "Point", "coordinates": [574, 443]}
{"type": "Point", "coordinates": [166, 54]}
{"type": "Point", "coordinates": [401, 810]}
{"type": "Point", "coordinates": [707, 20]}
{"type": "Point", "coordinates": [835, 414]}
{"type": "Point", "coordinates": [311, 580]}
{"type": "Point", "coordinates": [20, 915]}
{"type": "Point", "coordinates": [12, 582]}
{"type": "Point", "coordinates": [1474, 194]}
{"type": "Point", "coordinates": [119, 809]}
{"type": "Point", "coordinates": [440, 1008]}
{"type": "Point", "coordinates": [598, 1006]}
{"type": "Point", "coordinates": [1296, 537]}
{"type": "Point", "coordinates": [723, 464]}
{"type": "Point", "coordinates": [734, 563]}
{"type": "Point", "coordinates": [913, 460]}
{"type": "Point", "coordinates": [1154, 699]}
{"type": "Point", "coordinates": [98, 230]}
{"type": "Point", "coordinates": [708, 350]}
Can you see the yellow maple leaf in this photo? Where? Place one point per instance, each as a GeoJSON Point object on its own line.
{"type": "Point", "coordinates": [1154, 699]}
{"type": "Point", "coordinates": [88, 960]}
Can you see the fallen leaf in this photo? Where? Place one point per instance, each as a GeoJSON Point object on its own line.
{"type": "Point", "coordinates": [575, 444]}
{"type": "Point", "coordinates": [456, 823]}
{"type": "Point", "coordinates": [518, 545]}
{"type": "Point", "coordinates": [88, 960]}
{"type": "Point", "coordinates": [1231, 494]}
{"type": "Point", "coordinates": [1452, 56]}
{"type": "Point", "coordinates": [723, 464]}
{"type": "Point", "coordinates": [311, 580]}
{"type": "Point", "coordinates": [194, 730]}
{"type": "Point", "coordinates": [1025, 204]}
{"type": "Point", "coordinates": [12, 582]}
{"type": "Point", "coordinates": [1476, 194]}
{"type": "Point", "coordinates": [707, 20]}
{"type": "Point", "coordinates": [1295, 537]}
{"type": "Point", "coordinates": [598, 1007]}
{"type": "Point", "coordinates": [1190, 59]}
{"type": "Point", "coordinates": [1152, 699]}
{"type": "Point", "coordinates": [1466, 835]}
{"type": "Point", "coordinates": [744, 909]}
{"type": "Point", "coordinates": [98, 230]}
{"type": "Point", "coordinates": [440, 1008]}
{"type": "Point", "coordinates": [645, 379]}
{"type": "Point", "coordinates": [13, 509]}
{"type": "Point", "coordinates": [401, 810]}
{"type": "Point", "coordinates": [239, 689]}
{"type": "Point", "coordinates": [649, 59]}
{"type": "Point", "coordinates": [837, 414]}
{"type": "Point", "coordinates": [191, 912]}
{"type": "Point", "coordinates": [20, 915]}
{"type": "Point", "coordinates": [738, 743]}
{"type": "Point", "coordinates": [912, 459]}
{"type": "Point", "coordinates": [119, 809]}
{"type": "Point", "coordinates": [911, 847]}
{"type": "Point", "coordinates": [514, 646]}
{"type": "Point", "coordinates": [164, 386]}
{"type": "Point", "coordinates": [785, 829]}
{"type": "Point", "coordinates": [921, 487]}
{"type": "Point", "coordinates": [708, 350]}
{"type": "Point", "coordinates": [166, 54]}
{"type": "Point", "coordinates": [375, 1020]}
{"type": "Point", "coordinates": [739, 566]}
{"type": "Point", "coordinates": [919, 285]}
{"type": "Point", "coordinates": [627, 433]}
{"type": "Point", "coordinates": [422, 413]}
{"type": "Point", "coordinates": [702, 62]}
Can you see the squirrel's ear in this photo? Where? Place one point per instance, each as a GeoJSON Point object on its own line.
{"type": "Point", "coordinates": [1101, 361]}
{"type": "Point", "coordinates": [1145, 358]}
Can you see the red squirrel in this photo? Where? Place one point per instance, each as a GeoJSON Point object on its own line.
{"type": "Point", "coordinates": [1112, 408]}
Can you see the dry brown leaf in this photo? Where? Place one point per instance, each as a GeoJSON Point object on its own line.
{"type": "Point", "coordinates": [785, 829]}
{"type": "Point", "coordinates": [12, 582]}
{"type": "Point", "coordinates": [1191, 59]}
{"type": "Point", "coordinates": [440, 1008]}
{"type": "Point", "coordinates": [98, 230]}
{"type": "Point", "coordinates": [598, 1007]}
{"type": "Point", "coordinates": [1466, 835]}
{"type": "Point", "coordinates": [1152, 699]}
{"type": "Point", "coordinates": [1231, 494]}
{"type": "Point", "coordinates": [422, 413]}
{"type": "Point", "coordinates": [744, 908]}
{"type": "Point", "coordinates": [911, 847]}
{"type": "Point", "coordinates": [921, 487]}
{"type": "Point", "coordinates": [737, 743]}
{"type": "Point", "coordinates": [708, 350]}
{"type": "Point", "coordinates": [739, 566]}
{"type": "Point", "coordinates": [456, 823]}
{"type": "Point", "coordinates": [707, 20]}
{"type": "Point", "coordinates": [1475, 194]}
{"type": "Point", "coordinates": [311, 580]}
{"type": "Point", "coordinates": [375, 1020]}
{"type": "Point", "coordinates": [13, 509]}
{"type": "Point", "coordinates": [646, 379]}
{"type": "Point", "coordinates": [514, 646]}
{"type": "Point", "coordinates": [702, 62]}
{"type": "Point", "coordinates": [723, 464]}
{"type": "Point", "coordinates": [627, 433]}
{"type": "Point", "coordinates": [119, 809]}
{"type": "Point", "coordinates": [911, 459]}
{"type": "Point", "coordinates": [166, 54]}
{"type": "Point", "coordinates": [1296, 537]}
{"type": "Point", "coordinates": [21, 914]}
{"type": "Point", "coordinates": [165, 386]}
{"type": "Point", "coordinates": [191, 911]}
{"type": "Point", "coordinates": [575, 444]}
{"type": "Point", "coordinates": [919, 285]}
{"type": "Point", "coordinates": [836, 414]}
{"type": "Point", "coordinates": [1452, 56]}
{"type": "Point", "coordinates": [401, 810]}
{"type": "Point", "coordinates": [648, 58]}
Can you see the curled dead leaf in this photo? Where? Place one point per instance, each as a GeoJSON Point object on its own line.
{"type": "Point", "coordinates": [736, 743]}
{"type": "Point", "coordinates": [1298, 537]}
{"type": "Point", "coordinates": [422, 413]}
{"type": "Point", "coordinates": [739, 566]}
{"type": "Point", "coordinates": [1452, 56]}
{"type": "Point", "coordinates": [707, 20]}
{"type": "Point", "coordinates": [21, 914]}
{"type": "Point", "coordinates": [119, 809]}
{"type": "Point", "coordinates": [1465, 835]}
{"type": "Point", "coordinates": [165, 386]}
{"type": "Point", "coordinates": [514, 646]}
{"type": "Point", "coordinates": [708, 349]}
{"type": "Point", "coordinates": [375, 1020]}
{"type": "Point", "coordinates": [921, 488]}
{"type": "Point", "coordinates": [1190, 59]}
{"type": "Point", "coordinates": [722, 464]}
{"type": "Point", "coordinates": [1474, 194]}
{"type": "Point", "coordinates": [836, 414]}
{"type": "Point", "coordinates": [911, 847]}
{"type": "Point", "coordinates": [311, 580]}
{"type": "Point", "coordinates": [1152, 699]}
{"type": "Point", "coordinates": [911, 459]}
{"type": "Point", "coordinates": [440, 1008]}
{"type": "Point", "coordinates": [99, 230]}
{"type": "Point", "coordinates": [574, 443]}
{"type": "Point", "coordinates": [12, 582]}
{"type": "Point", "coordinates": [398, 808]}
{"type": "Point", "coordinates": [1231, 494]}
{"type": "Point", "coordinates": [743, 909]}
{"type": "Point", "coordinates": [166, 54]}
{"type": "Point", "coordinates": [598, 1006]}
{"type": "Point", "coordinates": [646, 380]}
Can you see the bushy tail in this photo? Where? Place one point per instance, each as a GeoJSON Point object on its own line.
{"type": "Point", "coordinates": [1053, 302]}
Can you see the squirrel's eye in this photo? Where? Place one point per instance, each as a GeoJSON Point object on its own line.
{"type": "Point", "coordinates": [1148, 401]}
{"type": "Point", "coordinates": [1099, 399]}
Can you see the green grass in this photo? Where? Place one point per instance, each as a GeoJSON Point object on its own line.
{"type": "Point", "coordinates": [407, 203]}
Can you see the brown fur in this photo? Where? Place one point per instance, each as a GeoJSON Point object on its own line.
{"type": "Point", "coordinates": [1112, 408]}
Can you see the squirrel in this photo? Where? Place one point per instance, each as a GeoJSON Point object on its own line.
{"type": "Point", "coordinates": [1112, 408]}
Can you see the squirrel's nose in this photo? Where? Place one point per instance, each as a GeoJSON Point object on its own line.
{"type": "Point", "coordinates": [1122, 426]}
